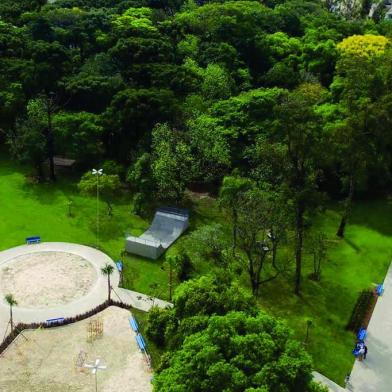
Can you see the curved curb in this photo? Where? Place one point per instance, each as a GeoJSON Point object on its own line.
{"type": "Point", "coordinates": [95, 297]}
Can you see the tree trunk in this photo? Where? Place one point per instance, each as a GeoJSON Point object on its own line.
{"type": "Point", "coordinates": [299, 228]}
{"type": "Point", "coordinates": [50, 146]}
{"type": "Point", "coordinates": [170, 281]}
{"type": "Point", "coordinates": [40, 172]}
{"type": "Point", "coordinates": [50, 141]}
{"type": "Point", "coordinates": [255, 287]}
{"type": "Point", "coordinates": [274, 253]}
{"type": "Point", "coordinates": [110, 208]}
{"type": "Point", "coordinates": [109, 289]}
{"type": "Point", "coordinates": [252, 275]}
{"type": "Point", "coordinates": [11, 319]}
{"type": "Point", "coordinates": [235, 219]}
{"type": "Point", "coordinates": [347, 208]}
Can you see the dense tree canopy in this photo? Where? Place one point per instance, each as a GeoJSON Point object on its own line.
{"type": "Point", "coordinates": [271, 107]}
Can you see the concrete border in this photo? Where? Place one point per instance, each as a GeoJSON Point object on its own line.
{"type": "Point", "coordinates": [96, 296]}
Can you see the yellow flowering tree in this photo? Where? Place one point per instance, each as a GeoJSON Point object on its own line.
{"type": "Point", "coordinates": [365, 46]}
{"type": "Point", "coordinates": [357, 85]}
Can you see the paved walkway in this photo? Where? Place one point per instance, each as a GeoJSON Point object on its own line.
{"type": "Point", "coordinates": [374, 374]}
{"type": "Point", "coordinates": [96, 296]}
{"type": "Point", "coordinates": [333, 387]}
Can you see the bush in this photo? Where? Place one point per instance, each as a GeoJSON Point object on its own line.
{"type": "Point", "coordinates": [363, 305]}
{"type": "Point", "coordinates": [158, 320]}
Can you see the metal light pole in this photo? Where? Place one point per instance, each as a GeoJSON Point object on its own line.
{"type": "Point", "coordinates": [97, 173]}
{"type": "Point", "coordinates": [94, 370]}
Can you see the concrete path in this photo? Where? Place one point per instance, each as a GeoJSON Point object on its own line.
{"type": "Point", "coordinates": [96, 296]}
{"type": "Point", "coordinates": [333, 387]}
{"type": "Point", "coordinates": [374, 373]}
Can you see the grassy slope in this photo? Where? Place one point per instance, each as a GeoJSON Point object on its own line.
{"type": "Point", "coordinates": [30, 209]}
{"type": "Point", "coordinates": [354, 263]}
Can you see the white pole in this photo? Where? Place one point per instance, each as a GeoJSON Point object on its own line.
{"type": "Point", "coordinates": [97, 210]}
{"type": "Point", "coordinates": [97, 173]}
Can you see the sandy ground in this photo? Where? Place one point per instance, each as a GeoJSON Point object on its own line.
{"type": "Point", "coordinates": [45, 362]}
{"type": "Point", "coordinates": [45, 279]}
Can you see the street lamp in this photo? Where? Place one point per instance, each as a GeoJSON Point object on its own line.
{"type": "Point", "coordinates": [97, 173]}
{"type": "Point", "coordinates": [94, 370]}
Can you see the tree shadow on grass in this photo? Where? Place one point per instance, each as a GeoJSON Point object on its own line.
{"type": "Point", "coordinates": [352, 245]}
{"type": "Point", "coordinates": [374, 214]}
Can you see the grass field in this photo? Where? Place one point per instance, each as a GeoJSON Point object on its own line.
{"type": "Point", "coordinates": [353, 264]}
{"type": "Point", "coordinates": [42, 209]}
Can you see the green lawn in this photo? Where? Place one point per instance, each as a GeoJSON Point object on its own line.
{"type": "Point", "coordinates": [354, 263]}
{"type": "Point", "coordinates": [42, 209]}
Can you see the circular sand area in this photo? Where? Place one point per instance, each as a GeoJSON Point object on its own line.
{"type": "Point", "coordinates": [46, 279]}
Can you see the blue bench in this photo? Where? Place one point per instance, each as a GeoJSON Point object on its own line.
{"type": "Point", "coordinates": [58, 320]}
{"type": "Point", "coordinates": [140, 343]}
{"type": "Point", "coordinates": [119, 265]}
{"type": "Point", "coordinates": [380, 289]}
{"type": "Point", "coordinates": [133, 324]}
{"type": "Point", "coordinates": [362, 334]}
{"type": "Point", "coordinates": [142, 340]}
{"type": "Point", "coordinates": [33, 240]}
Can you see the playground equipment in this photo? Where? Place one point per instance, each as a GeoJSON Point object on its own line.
{"type": "Point", "coordinates": [94, 329]}
{"type": "Point", "coordinates": [168, 225]}
{"type": "Point", "coordinates": [81, 361]}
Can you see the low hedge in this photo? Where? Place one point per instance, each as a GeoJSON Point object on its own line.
{"type": "Point", "coordinates": [363, 306]}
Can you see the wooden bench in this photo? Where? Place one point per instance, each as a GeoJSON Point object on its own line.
{"type": "Point", "coordinates": [33, 240]}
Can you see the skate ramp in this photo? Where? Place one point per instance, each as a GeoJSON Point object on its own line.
{"type": "Point", "coordinates": [168, 225]}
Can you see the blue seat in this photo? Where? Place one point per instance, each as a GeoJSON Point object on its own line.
{"type": "Point", "coordinates": [58, 320]}
{"type": "Point", "coordinates": [380, 289]}
{"type": "Point", "coordinates": [133, 324]}
{"type": "Point", "coordinates": [33, 240]}
{"type": "Point", "coordinates": [119, 265]}
{"type": "Point", "coordinates": [361, 334]}
{"type": "Point", "coordinates": [142, 340]}
{"type": "Point", "coordinates": [140, 343]}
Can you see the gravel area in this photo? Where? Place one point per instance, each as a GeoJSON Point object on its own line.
{"type": "Point", "coordinates": [47, 279]}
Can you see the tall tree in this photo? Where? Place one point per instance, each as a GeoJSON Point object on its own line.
{"type": "Point", "coordinates": [108, 186]}
{"type": "Point", "coordinates": [11, 301]}
{"type": "Point", "coordinates": [238, 352]}
{"type": "Point", "coordinates": [27, 142]}
{"type": "Point", "coordinates": [171, 162]}
{"type": "Point", "coordinates": [230, 194]}
{"type": "Point", "coordinates": [256, 216]}
{"type": "Point", "coordinates": [289, 159]}
{"type": "Point", "coordinates": [358, 85]}
{"type": "Point", "coordinates": [107, 270]}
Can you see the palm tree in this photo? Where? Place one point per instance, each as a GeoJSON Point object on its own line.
{"type": "Point", "coordinates": [11, 301]}
{"type": "Point", "coordinates": [107, 270]}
